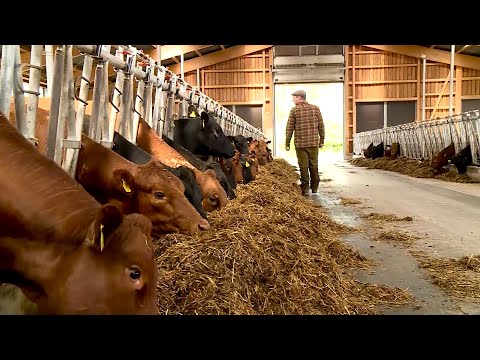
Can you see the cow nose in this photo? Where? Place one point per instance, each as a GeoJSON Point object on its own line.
{"type": "Point", "coordinates": [203, 225]}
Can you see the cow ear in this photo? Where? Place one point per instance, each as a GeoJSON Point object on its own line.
{"type": "Point", "coordinates": [123, 181]}
{"type": "Point", "coordinates": [249, 139]}
{"type": "Point", "coordinates": [106, 222]}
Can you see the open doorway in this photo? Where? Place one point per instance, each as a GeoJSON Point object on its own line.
{"type": "Point", "coordinates": [329, 98]}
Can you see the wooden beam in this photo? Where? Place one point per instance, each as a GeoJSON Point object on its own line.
{"type": "Point", "coordinates": [441, 56]}
{"type": "Point", "coordinates": [170, 51]}
{"type": "Point", "coordinates": [439, 97]}
{"type": "Point", "coordinates": [217, 57]}
{"type": "Point", "coordinates": [419, 90]}
{"type": "Point", "coordinates": [458, 89]}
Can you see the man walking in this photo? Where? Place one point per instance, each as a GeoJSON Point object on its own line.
{"type": "Point", "coordinates": [307, 122]}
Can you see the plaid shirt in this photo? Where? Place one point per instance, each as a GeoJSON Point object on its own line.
{"type": "Point", "coordinates": [307, 122]}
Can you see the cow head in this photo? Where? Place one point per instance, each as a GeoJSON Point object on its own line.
{"type": "Point", "coordinates": [441, 158]}
{"type": "Point", "coordinates": [260, 148]}
{"type": "Point", "coordinates": [160, 197]}
{"type": "Point", "coordinates": [212, 136]}
{"type": "Point", "coordinates": [192, 189]}
{"type": "Point", "coordinates": [221, 176]}
{"type": "Point", "coordinates": [112, 272]}
{"type": "Point", "coordinates": [240, 142]}
{"type": "Point", "coordinates": [214, 196]}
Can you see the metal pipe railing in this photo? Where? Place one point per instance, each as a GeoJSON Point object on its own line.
{"type": "Point", "coordinates": [422, 140]}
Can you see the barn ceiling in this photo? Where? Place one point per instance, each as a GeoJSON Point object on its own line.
{"type": "Point", "coordinates": [171, 54]}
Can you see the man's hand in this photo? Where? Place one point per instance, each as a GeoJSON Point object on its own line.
{"type": "Point", "coordinates": [320, 145]}
{"type": "Point", "coordinates": [287, 148]}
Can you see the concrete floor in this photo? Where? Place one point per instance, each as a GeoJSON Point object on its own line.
{"type": "Point", "coordinates": [445, 216]}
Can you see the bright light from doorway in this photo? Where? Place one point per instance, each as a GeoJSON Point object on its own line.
{"type": "Point", "coordinates": [329, 98]}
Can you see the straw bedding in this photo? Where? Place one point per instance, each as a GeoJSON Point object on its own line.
{"type": "Point", "coordinates": [269, 251]}
{"type": "Point", "coordinates": [410, 167]}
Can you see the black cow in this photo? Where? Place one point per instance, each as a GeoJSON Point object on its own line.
{"type": "Point", "coordinates": [463, 159]}
{"type": "Point", "coordinates": [368, 151]}
{"type": "Point", "coordinates": [138, 156]}
{"type": "Point", "coordinates": [202, 136]}
{"type": "Point", "coordinates": [377, 151]}
{"type": "Point", "coordinates": [202, 166]}
{"type": "Point", "coordinates": [240, 142]}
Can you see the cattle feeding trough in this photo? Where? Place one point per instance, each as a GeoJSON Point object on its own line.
{"type": "Point", "coordinates": [431, 145]}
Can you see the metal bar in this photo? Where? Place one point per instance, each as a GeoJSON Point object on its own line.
{"type": "Point", "coordinates": [72, 143]}
{"type": "Point", "coordinates": [117, 92]}
{"type": "Point", "coordinates": [168, 124]}
{"type": "Point", "coordinates": [158, 104]}
{"type": "Point", "coordinates": [49, 68]}
{"type": "Point", "coordinates": [93, 131]}
{"type": "Point", "coordinates": [71, 154]}
{"type": "Point", "coordinates": [103, 130]}
{"type": "Point", "coordinates": [6, 77]}
{"type": "Point", "coordinates": [20, 114]}
{"type": "Point", "coordinates": [64, 104]}
{"type": "Point", "coordinates": [138, 111]}
{"type": "Point", "coordinates": [452, 65]}
{"type": "Point", "coordinates": [56, 89]}
{"type": "Point", "coordinates": [32, 98]}
{"type": "Point", "coordinates": [108, 124]}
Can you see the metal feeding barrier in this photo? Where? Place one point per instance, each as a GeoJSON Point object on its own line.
{"type": "Point", "coordinates": [422, 140]}
{"type": "Point", "coordinates": [157, 91]}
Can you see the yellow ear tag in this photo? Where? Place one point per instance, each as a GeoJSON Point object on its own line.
{"type": "Point", "coordinates": [247, 164]}
{"type": "Point", "coordinates": [102, 239]}
{"type": "Point", "coordinates": [126, 187]}
{"type": "Point", "coordinates": [192, 114]}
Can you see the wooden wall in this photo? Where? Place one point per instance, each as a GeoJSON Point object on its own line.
{"type": "Point", "coordinates": [246, 80]}
{"type": "Point", "coordinates": [376, 75]}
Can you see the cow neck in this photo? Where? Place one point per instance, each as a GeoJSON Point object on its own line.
{"type": "Point", "coordinates": [45, 211]}
{"type": "Point", "coordinates": [151, 143]}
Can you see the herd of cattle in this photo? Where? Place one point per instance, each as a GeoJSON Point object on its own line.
{"type": "Point", "coordinates": [439, 160]}
{"type": "Point", "coordinates": [83, 245]}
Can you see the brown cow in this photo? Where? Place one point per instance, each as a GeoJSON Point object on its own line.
{"type": "Point", "coordinates": [214, 196]}
{"type": "Point", "coordinates": [441, 158]}
{"type": "Point", "coordinates": [148, 189]}
{"type": "Point", "coordinates": [260, 148]}
{"type": "Point", "coordinates": [68, 253]}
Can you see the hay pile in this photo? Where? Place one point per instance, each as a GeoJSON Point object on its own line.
{"type": "Point", "coordinates": [410, 167]}
{"type": "Point", "coordinates": [395, 236]}
{"type": "Point", "coordinates": [269, 251]}
{"type": "Point", "coordinates": [385, 217]}
{"type": "Point", "coordinates": [458, 278]}
{"type": "Point", "coordinates": [349, 201]}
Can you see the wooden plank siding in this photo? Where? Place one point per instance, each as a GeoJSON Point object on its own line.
{"type": "Point", "coordinates": [378, 76]}
{"type": "Point", "coordinates": [245, 80]}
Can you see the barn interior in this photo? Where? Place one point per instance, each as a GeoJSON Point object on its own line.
{"type": "Point", "coordinates": [421, 97]}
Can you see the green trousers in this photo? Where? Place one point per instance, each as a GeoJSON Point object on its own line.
{"type": "Point", "coordinates": [308, 164]}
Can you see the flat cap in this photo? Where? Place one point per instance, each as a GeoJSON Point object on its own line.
{"type": "Point", "coordinates": [299, 93]}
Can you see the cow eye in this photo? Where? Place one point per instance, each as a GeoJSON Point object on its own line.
{"type": "Point", "coordinates": [159, 195]}
{"type": "Point", "coordinates": [134, 273]}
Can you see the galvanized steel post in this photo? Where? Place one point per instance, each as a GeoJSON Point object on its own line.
{"type": "Point", "coordinates": [6, 77]}
{"type": "Point", "coordinates": [33, 92]}
{"type": "Point", "coordinates": [56, 90]}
